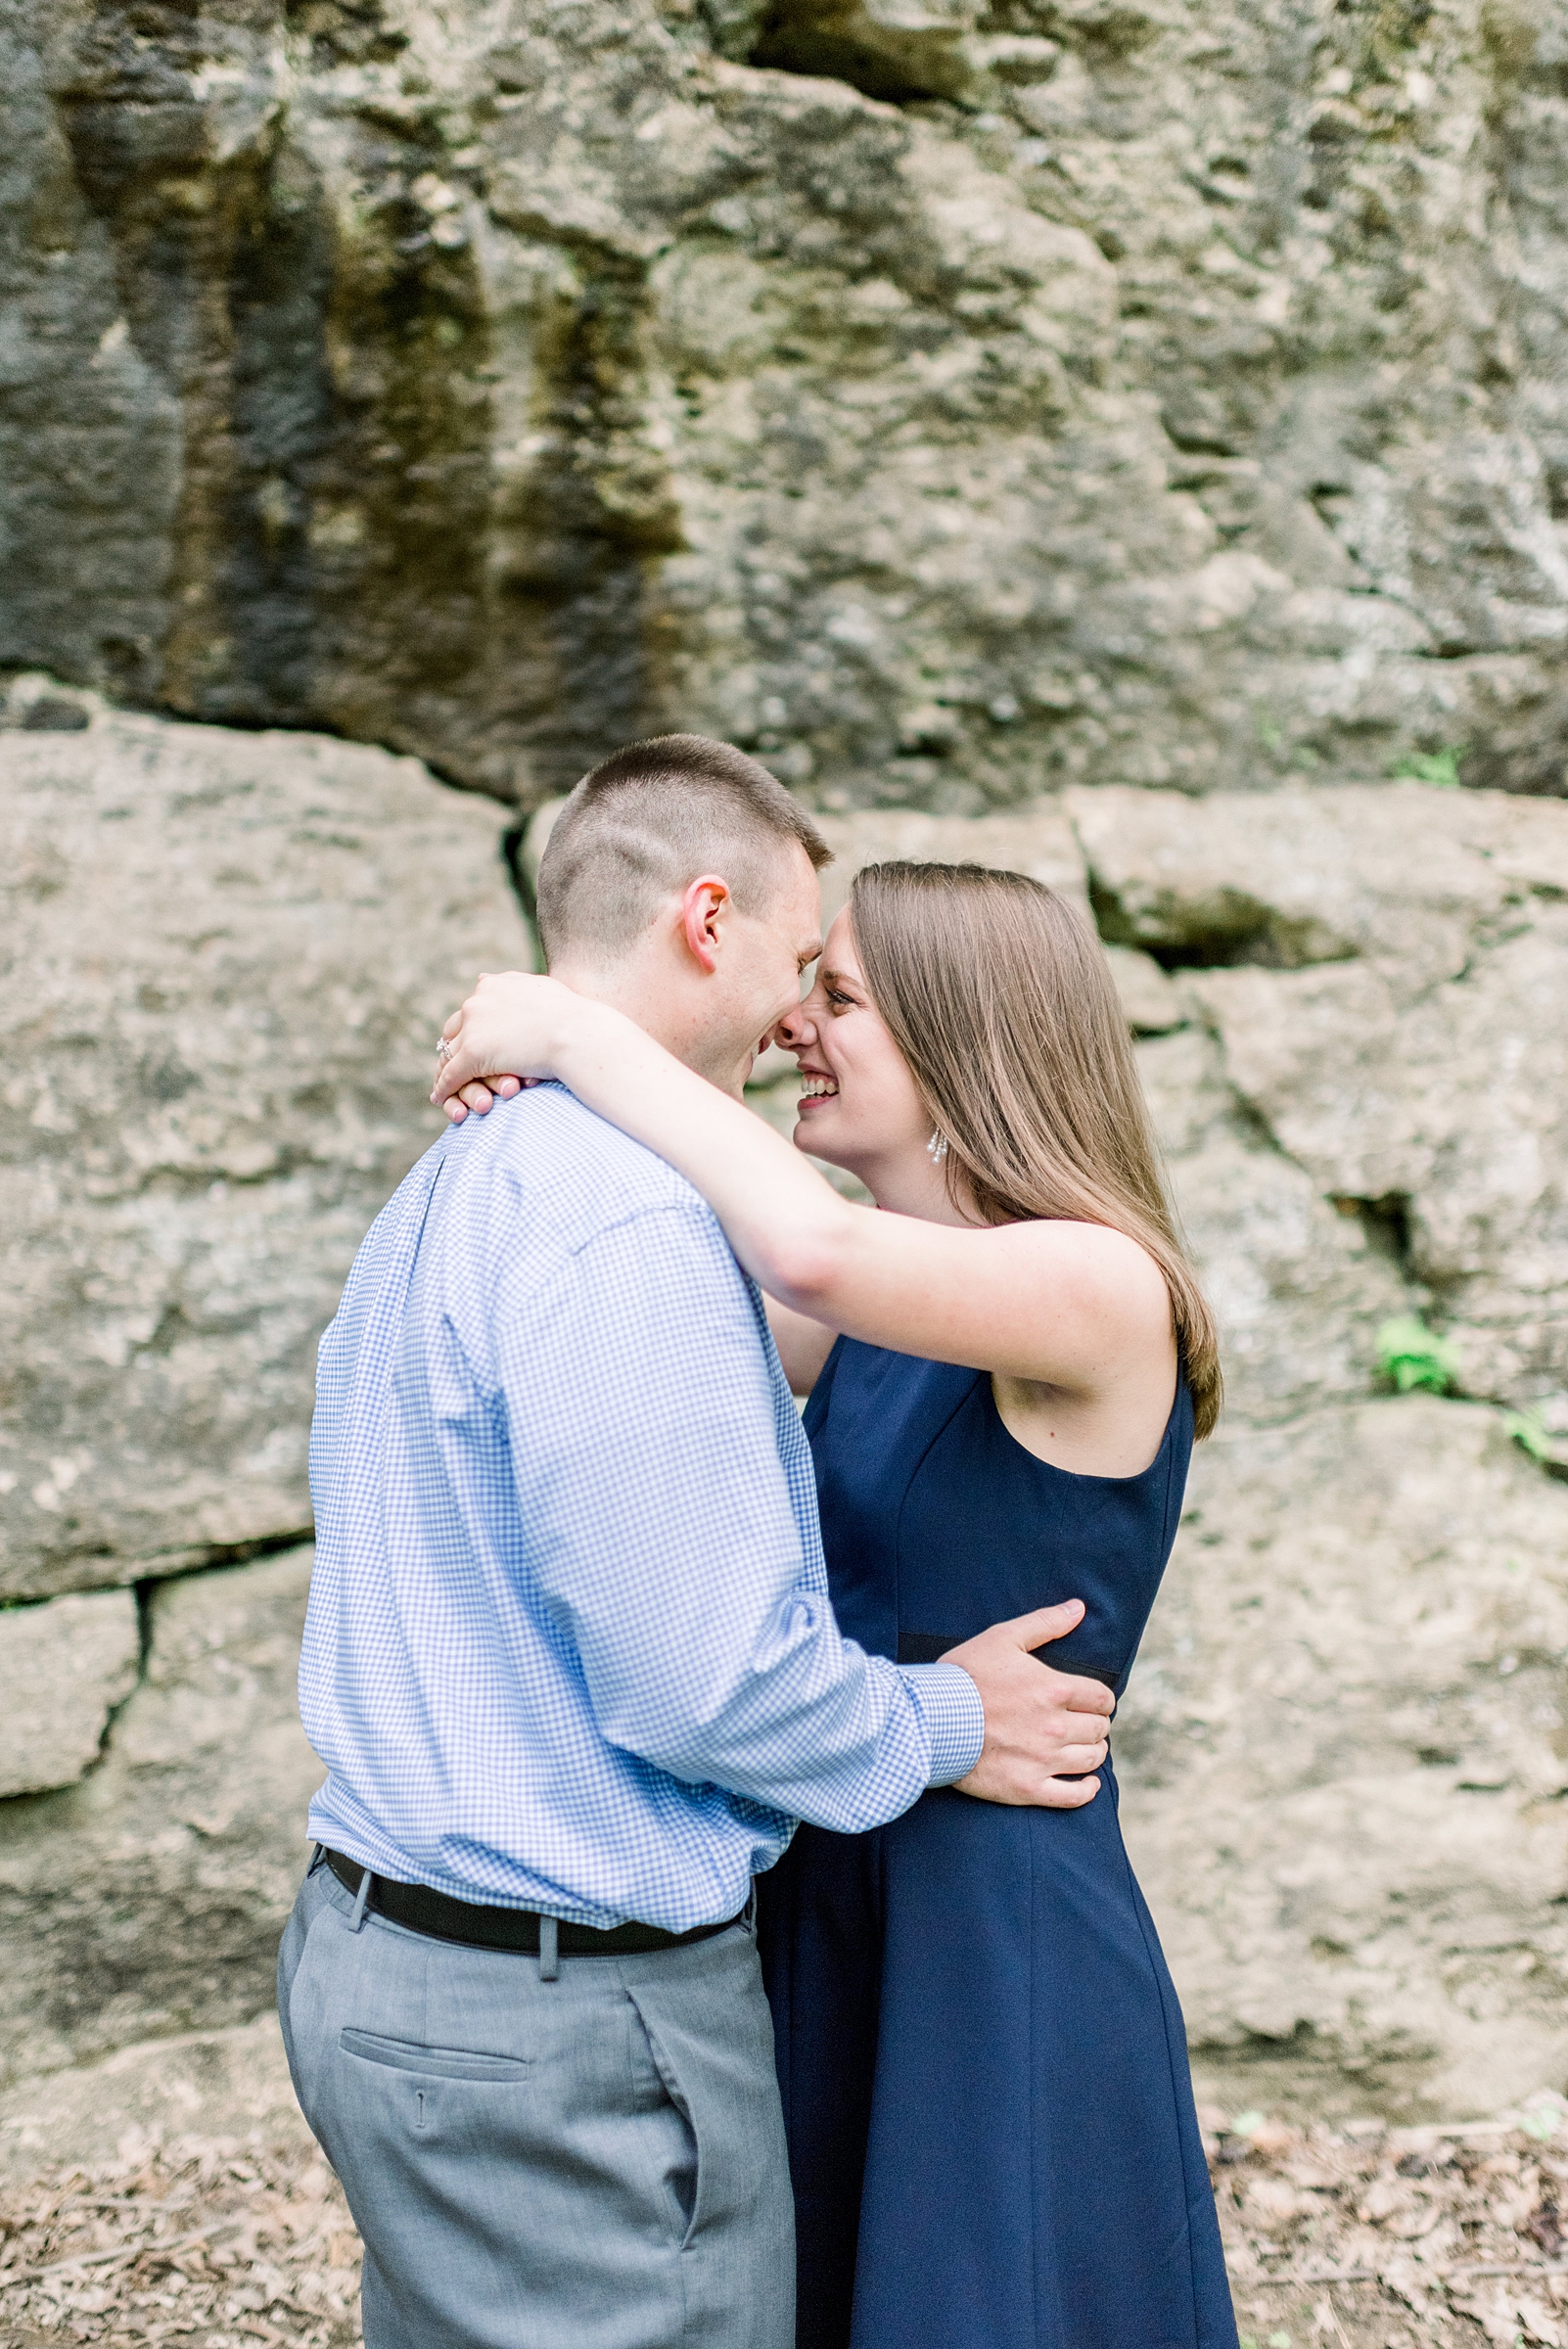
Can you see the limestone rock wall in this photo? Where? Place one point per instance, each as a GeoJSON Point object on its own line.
{"type": "Point", "coordinates": [1343, 1752]}
{"type": "Point", "coordinates": [1161, 406]}
{"type": "Point", "coordinates": [1384, 976]}
{"type": "Point", "coordinates": [1343, 1757]}
{"type": "Point", "coordinates": [145, 1897]}
{"type": "Point", "coordinates": [223, 962]}
{"type": "Point", "coordinates": [224, 958]}
{"type": "Point", "coordinates": [951, 398]}
{"type": "Point", "coordinates": [1345, 1746]}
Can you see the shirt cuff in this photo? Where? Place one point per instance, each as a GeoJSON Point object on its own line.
{"type": "Point", "coordinates": [949, 1703]}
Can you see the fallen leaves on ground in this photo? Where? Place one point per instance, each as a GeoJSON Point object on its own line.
{"type": "Point", "coordinates": [1357, 2237]}
{"type": "Point", "coordinates": [197, 2239]}
{"type": "Point", "coordinates": [1370, 2237]}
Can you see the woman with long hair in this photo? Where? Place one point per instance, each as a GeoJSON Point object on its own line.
{"type": "Point", "coordinates": [982, 2059]}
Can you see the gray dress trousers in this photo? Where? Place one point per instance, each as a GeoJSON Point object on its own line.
{"type": "Point", "coordinates": [595, 2162]}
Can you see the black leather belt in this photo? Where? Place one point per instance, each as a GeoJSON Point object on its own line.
{"type": "Point", "coordinates": [423, 1911]}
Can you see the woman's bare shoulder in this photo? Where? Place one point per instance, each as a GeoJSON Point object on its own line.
{"type": "Point", "coordinates": [1100, 1267]}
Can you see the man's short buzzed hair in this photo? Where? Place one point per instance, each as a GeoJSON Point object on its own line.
{"type": "Point", "coordinates": [645, 822]}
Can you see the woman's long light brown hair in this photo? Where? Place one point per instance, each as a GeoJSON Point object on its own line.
{"type": "Point", "coordinates": [1002, 1001]}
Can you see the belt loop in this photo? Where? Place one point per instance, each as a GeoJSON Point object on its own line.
{"type": "Point", "coordinates": [749, 1913]}
{"type": "Point", "coordinates": [549, 1949]}
{"type": "Point", "coordinates": [360, 1897]}
{"type": "Point", "coordinates": [316, 1850]}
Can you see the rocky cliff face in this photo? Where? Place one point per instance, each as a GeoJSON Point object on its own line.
{"type": "Point", "coordinates": [951, 398]}
{"type": "Point", "coordinates": [1344, 1750]}
{"type": "Point", "coordinates": [225, 959]}
{"type": "Point", "coordinates": [1156, 405]}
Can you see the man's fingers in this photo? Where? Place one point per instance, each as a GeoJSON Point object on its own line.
{"type": "Point", "coordinates": [1045, 1624]}
{"type": "Point", "coordinates": [1045, 1729]}
{"type": "Point", "coordinates": [1018, 1781]}
{"type": "Point", "coordinates": [1075, 1700]}
{"type": "Point", "coordinates": [1068, 1794]}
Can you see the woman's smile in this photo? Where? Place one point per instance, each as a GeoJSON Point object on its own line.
{"type": "Point", "coordinates": [816, 1085]}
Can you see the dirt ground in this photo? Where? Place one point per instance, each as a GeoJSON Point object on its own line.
{"type": "Point", "coordinates": [1363, 2237]}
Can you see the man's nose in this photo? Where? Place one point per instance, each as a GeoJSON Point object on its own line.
{"type": "Point", "coordinates": [795, 1030]}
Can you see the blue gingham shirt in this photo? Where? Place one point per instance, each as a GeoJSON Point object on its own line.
{"type": "Point", "coordinates": [569, 1645]}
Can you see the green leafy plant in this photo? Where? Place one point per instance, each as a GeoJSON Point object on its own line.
{"type": "Point", "coordinates": [1411, 1356]}
{"type": "Point", "coordinates": [1429, 766]}
{"type": "Point", "coordinates": [1528, 1429]}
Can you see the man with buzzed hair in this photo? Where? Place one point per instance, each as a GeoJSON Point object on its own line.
{"type": "Point", "coordinates": [642, 821]}
{"type": "Point", "coordinates": [571, 1663]}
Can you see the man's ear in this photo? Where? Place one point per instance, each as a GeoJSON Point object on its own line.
{"type": "Point", "coordinates": [705, 909]}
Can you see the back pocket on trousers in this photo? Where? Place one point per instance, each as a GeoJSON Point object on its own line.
{"type": "Point", "coordinates": [437, 2064]}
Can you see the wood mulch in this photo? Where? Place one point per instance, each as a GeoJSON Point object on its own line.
{"type": "Point", "coordinates": [1356, 2237]}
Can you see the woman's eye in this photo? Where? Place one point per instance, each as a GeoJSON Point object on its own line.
{"type": "Point", "coordinates": [837, 998]}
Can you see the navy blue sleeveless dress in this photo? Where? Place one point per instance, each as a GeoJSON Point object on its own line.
{"type": "Point", "coordinates": [984, 2070]}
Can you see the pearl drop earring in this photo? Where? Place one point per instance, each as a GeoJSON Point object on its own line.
{"type": "Point", "coordinates": [937, 1148]}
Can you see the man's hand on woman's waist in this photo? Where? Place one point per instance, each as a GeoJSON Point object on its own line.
{"type": "Point", "coordinates": [1039, 1723]}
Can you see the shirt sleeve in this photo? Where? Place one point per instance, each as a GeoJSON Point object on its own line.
{"type": "Point", "coordinates": [954, 1718]}
{"type": "Point", "coordinates": [662, 1549]}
